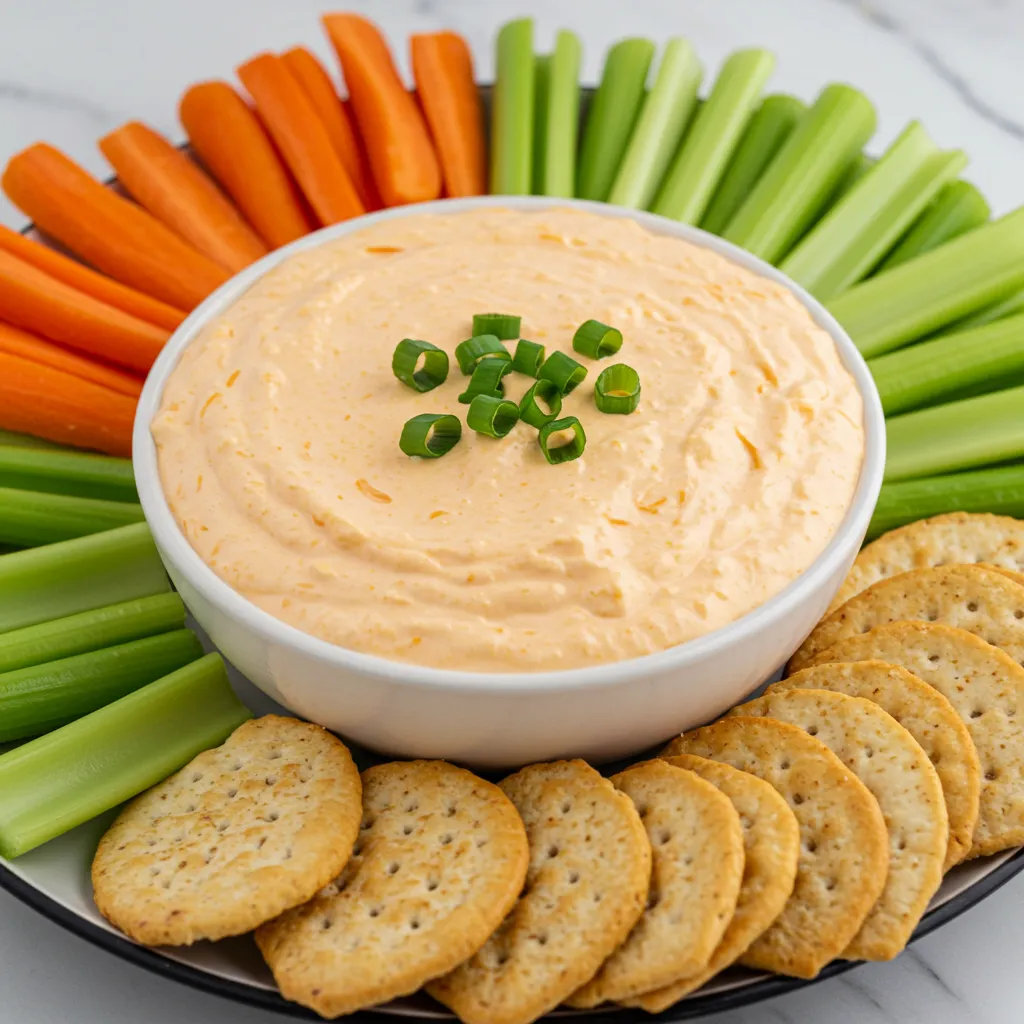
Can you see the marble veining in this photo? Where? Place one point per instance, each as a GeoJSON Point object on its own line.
{"type": "Point", "coordinates": [70, 71]}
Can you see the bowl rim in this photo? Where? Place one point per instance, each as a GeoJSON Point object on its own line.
{"type": "Point", "coordinates": [229, 602]}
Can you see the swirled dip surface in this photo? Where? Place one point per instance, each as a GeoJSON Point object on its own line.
{"type": "Point", "coordinates": [278, 446]}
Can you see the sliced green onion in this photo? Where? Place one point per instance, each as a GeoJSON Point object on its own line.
{"type": "Point", "coordinates": [563, 371]}
{"type": "Point", "coordinates": [502, 326]}
{"type": "Point", "coordinates": [663, 119]}
{"type": "Point", "coordinates": [617, 389]}
{"type": "Point", "coordinates": [430, 435]}
{"type": "Point", "coordinates": [763, 138]}
{"type": "Point", "coordinates": [557, 98]}
{"type": "Point", "coordinates": [568, 451]}
{"type": "Point", "coordinates": [481, 346]}
{"type": "Point", "coordinates": [406, 359]}
{"type": "Point", "coordinates": [705, 153]}
{"type": "Point", "coordinates": [957, 209]}
{"type": "Point", "coordinates": [597, 340]}
{"type": "Point", "coordinates": [529, 358]}
{"type": "Point", "coordinates": [613, 113]}
{"type": "Point", "coordinates": [529, 408]}
{"type": "Point", "coordinates": [51, 784]}
{"type": "Point", "coordinates": [999, 491]}
{"type": "Point", "coordinates": [512, 111]}
{"type": "Point", "coordinates": [486, 379]}
{"type": "Point", "coordinates": [790, 194]}
{"type": "Point", "coordinates": [31, 518]}
{"type": "Point", "coordinates": [492, 416]}
{"type": "Point", "coordinates": [78, 474]}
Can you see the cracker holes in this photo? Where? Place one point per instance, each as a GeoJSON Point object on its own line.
{"type": "Point", "coordinates": [412, 807]}
{"type": "Point", "coordinates": [197, 776]}
{"type": "Point", "coordinates": [271, 780]}
{"type": "Point", "coordinates": [272, 816]}
{"type": "Point", "coordinates": [481, 841]}
{"type": "Point", "coordinates": [1019, 613]}
{"type": "Point", "coordinates": [784, 765]}
{"type": "Point", "coordinates": [288, 854]}
{"type": "Point", "coordinates": [223, 826]}
{"type": "Point", "coordinates": [798, 799]}
{"type": "Point", "coordinates": [933, 658]}
{"type": "Point", "coordinates": [375, 911]}
{"type": "Point", "coordinates": [869, 752]}
{"type": "Point", "coordinates": [450, 811]}
{"type": "Point", "coordinates": [830, 884]}
{"type": "Point", "coordinates": [901, 844]}
{"type": "Point", "coordinates": [972, 606]}
{"type": "Point", "coordinates": [552, 851]}
{"type": "Point", "coordinates": [574, 877]}
{"type": "Point", "coordinates": [542, 939]}
{"type": "Point", "coordinates": [414, 924]}
{"type": "Point", "coordinates": [567, 807]}
{"type": "Point", "coordinates": [190, 809]}
{"type": "Point", "coordinates": [977, 713]}
{"type": "Point", "coordinates": [598, 897]}
{"type": "Point", "coordinates": [366, 824]}
{"type": "Point", "coordinates": [393, 867]}
{"type": "Point", "coordinates": [237, 766]}
{"type": "Point", "coordinates": [232, 793]}
{"type": "Point", "coordinates": [446, 839]}
{"type": "Point", "coordinates": [152, 842]}
{"type": "Point", "coordinates": [274, 755]}
{"type": "Point", "coordinates": [326, 924]}
{"type": "Point", "coordinates": [991, 775]}
{"type": "Point", "coordinates": [664, 836]}
{"type": "Point", "coordinates": [165, 884]}
{"type": "Point", "coordinates": [407, 830]}
{"type": "Point", "coordinates": [811, 846]}
{"type": "Point", "coordinates": [502, 958]}
{"type": "Point", "coordinates": [432, 884]}
{"type": "Point", "coordinates": [746, 823]}
{"type": "Point", "coordinates": [812, 730]}
{"type": "Point", "coordinates": [262, 841]}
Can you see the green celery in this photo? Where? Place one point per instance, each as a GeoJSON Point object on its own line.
{"type": "Point", "coordinates": [999, 491]}
{"type": "Point", "coordinates": [77, 474]}
{"type": "Point", "coordinates": [709, 145]}
{"type": "Point", "coordinates": [959, 435]}
{"type": "Point", "coordinates": [53, 783]}
{"type": "Point", "coordinates": [613, 113]}
{"type": "Point", "coordinates": [43, 697]}
{"type": "Point", "coordinates": [857, 168]}
{"type": "Point", "coordinates": [803, 176]}
{"type": "Point", "coordinates": [1007, 307]}
{"type": "Point", "coordinates": [9, 438]}
{"type": "Point", "coordinates": [541, 79]}
{"type": "Point", "coordinates": [90, 631]}
{"type": "Point", "coordinates": [78, 575]}
{"type": "Point", "coordinates": [663, 119]}
{"type": "Point", "coordinates": [957, 209]}
{"type": "Point", "coordinates": [936, 288]}
{"type": "Point", "coordinates": [557, 118]}
{"type": "Point", "coordinates": [943, 368]}
{"type": "Point", "coordinates": [31, 518]}
{"type": "Point", "coordinates": [867, 222]}
{"type": "Point", "coordinates": [512, 113]}
{"type": "Point", "coordinates": [764, 136]}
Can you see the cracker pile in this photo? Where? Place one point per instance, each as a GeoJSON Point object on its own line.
{"type": "Point", "coordinates": [812, 823]}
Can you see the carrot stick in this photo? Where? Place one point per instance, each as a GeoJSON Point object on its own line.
{"type": "Point", "coordinates": [16, 342]}
{"type": "Point", "coordinates": [112, 233]}
{"type": "Point", "coordinates": [234, 146]}
{"type": "Point", "coordinates": [164, 181]}
{"type": "Point", "coordinates": [443, 69]}
{"type": "Point", "coordinates": [39, 400]}
{"type": "Point", "coordinates": [316, 84]}
{"type": "Point", "coordinates": [301, 137]}
{"type": "Point", "coordinates": [79, 276]}
{"type": "Point", "coordinates": [37, 302]}
{"type": "Point", "coordinates": [394, 131]}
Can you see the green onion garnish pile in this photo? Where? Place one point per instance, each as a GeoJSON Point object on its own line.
{"type": "Point", "coordinates": [486, 361]}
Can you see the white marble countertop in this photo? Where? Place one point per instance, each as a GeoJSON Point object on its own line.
{"type": "Point", "coordinates": [70, 71]}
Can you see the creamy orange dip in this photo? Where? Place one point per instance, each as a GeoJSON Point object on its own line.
{"type": "Point", "coordinates": [278, 446]}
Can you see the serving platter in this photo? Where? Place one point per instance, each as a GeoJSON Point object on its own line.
{"type": "Point", "coordinates": [54, 881]}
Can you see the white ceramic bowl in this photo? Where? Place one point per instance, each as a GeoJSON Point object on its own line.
{"type": "Point", "coordinates": [499, 720]}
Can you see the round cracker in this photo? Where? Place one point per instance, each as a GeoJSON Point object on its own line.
{"type": "Point", "coordinates": [957, 538]}
{"type": "Point", "coordinates": [697, 846]}
{"type": "Point", "coordinates": [590, 868]}
{"type": "Point", "coordinates": [986, 688]}
{"type": "Point", "coordinates": [771, 846]}
{"type": "Point", "coordinates": [928, 717]}
{"type": "Point", "coordinates": [891, 763]}
{"type": "Point", "coordinates": [440, 859]}
{"type": "Point", "coordinates": [986, 603]}
{"type": "Point", "coordinates": [844, 845]}
{"type": "Point", "coordinates": [242, 833]}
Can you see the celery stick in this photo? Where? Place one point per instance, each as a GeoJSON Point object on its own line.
{"type": "Point", "coordinates": [541, 79]}
{"type": "Point", "coordinates": [612, 116]}
{"type": "Point", "coordinates": [31, 518]}
{"type": "Point", "coordinates": [73, 473]}
{"type": "Point", "coordinates": [999, 490]}
{"type": "Point", "coordinates": [37, 699]}
{"type": "Point", "coordinates": [936, 288]}
{"type": "Point", "coordinates": [512, 113]}
{"type": "Point", "coordinates": [957, 209]}
{"type": "Point", "coordinates": [90, 631]}
{"type": "Point", "coordinates": [51, 784]}
{"type": "Point", "coordinates": [663, 118]}
{"type": "Point", "coordinates": [1007, 307]}
{"type": "Point", "coordinates": [9, 438]}
{"type": "Point", "coordinates": [799, 181]}
{"type": "Point", "coordinates": [865, 224]}
{"type": "Point", "coordinates": [704, 155]}
{"type": "Point", "coordinates": [959, 435]}
{"type": "Point", "coordinates": [79, 575]}
{"type": "Point", "coordinates": [767, 131]}
{"type": "Point", "coordinates": [558, 117]}
{"type": "Point", "coordinates": [938, 370]}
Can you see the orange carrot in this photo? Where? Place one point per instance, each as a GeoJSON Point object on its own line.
{"type": "Point", "coordinates": [16, 342]}
{"type": "Point", "coordinates": [33, 300]}
{"type": "Point", "coordinates": [164, 181]}
{"type": "Point", "coordinates": [401, 153]}
{"type": "Point", "coordinates": [39, 400]}
{"type": "Point", "coordinates": [316, 84]}
{"type": "Point", "coordinates": [234, 146]}
{"type": "Point", "coordinates": [443, 69]}
{"type": "Point", "coordinates": [301, 137]}
{"type": "Point", "coordinates": [79, 276]}
{"type": "Point", "coordinates": [112, 233]}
